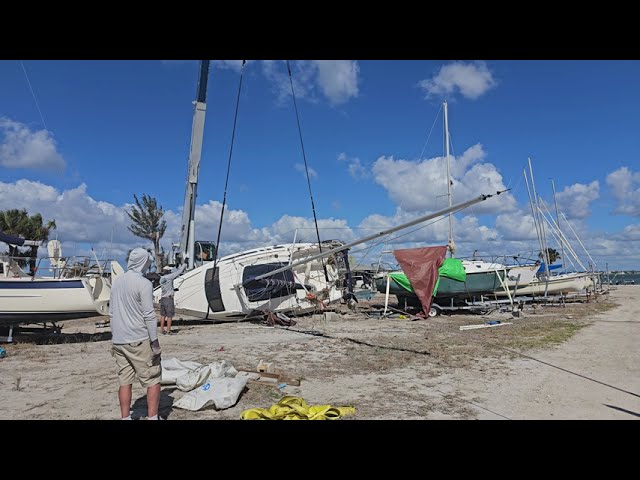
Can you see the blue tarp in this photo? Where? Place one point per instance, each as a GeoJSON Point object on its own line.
{"type": "Point", "coordinates": [551, 267]}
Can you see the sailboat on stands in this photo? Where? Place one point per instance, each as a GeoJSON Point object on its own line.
{"type": "Point", "coordinates": [547, 283]}
{"type": "Point", "coordinates": [481, 278]}
{"type": "Point", "coordinates": [71, 287]}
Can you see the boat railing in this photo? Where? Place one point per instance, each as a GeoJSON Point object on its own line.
{"type": "Point", "coordinates": [518, 259]}
{"type": "Point", "coordinates": [62, 267]}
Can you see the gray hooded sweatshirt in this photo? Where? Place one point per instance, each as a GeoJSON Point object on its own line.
{"type": "Point", "coordinates": [166, 281]}
{"type": "Point", "coordinates": [133, 318]}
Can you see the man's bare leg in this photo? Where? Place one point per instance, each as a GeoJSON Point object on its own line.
{"type": "Point", "coordinates": [124, 397]}
{"type": "Point", "coordinates": [153, 399]}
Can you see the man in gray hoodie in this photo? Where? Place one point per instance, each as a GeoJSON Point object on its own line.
{"type": "Point", "coordinates": [167, 307]}
{"type": "Point", "coordinates": [136, 348]}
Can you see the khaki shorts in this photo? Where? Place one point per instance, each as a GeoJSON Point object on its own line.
{"type": "Point", "coordinates": [137, 360]}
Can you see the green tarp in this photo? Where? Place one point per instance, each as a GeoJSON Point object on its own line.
{"type": "Point", "coordinates": [402, 280]}
{"type": "Point", "coordinates": [451, 268]}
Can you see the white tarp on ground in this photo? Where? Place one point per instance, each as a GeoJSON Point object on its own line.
{"type": "Point", "coordinates": [215, 383]}
{"type": "Point", "coordinates": [174, 368]}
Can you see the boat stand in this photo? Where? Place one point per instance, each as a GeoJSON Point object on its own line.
{"type": "Point", "coordinates": [7, 338]}
{"type": "Point", "coordinates": [53, 329]}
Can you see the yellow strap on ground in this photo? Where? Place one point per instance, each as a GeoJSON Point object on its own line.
{"type": "Point", "coordinates": [295, 408]}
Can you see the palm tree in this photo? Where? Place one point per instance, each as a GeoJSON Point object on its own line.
{"type": "Point", "coordinates": [37, 230]}
{"type": "Point", "coordinates": [12, 222]}
{"type": "Point", "coordinates": [148, 223]}
{"type": "Point", "coordinates": [18, 222]}
{"type": "Point", "coordinates": [552, 253]}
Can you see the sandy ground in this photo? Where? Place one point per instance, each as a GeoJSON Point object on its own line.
{"type": "Point", "coordinates": [391, 368]}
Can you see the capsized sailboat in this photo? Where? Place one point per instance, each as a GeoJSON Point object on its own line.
{"type": "Point", "coordinates": [232, 291]}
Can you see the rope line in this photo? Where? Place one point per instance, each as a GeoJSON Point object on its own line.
{"type": "Point", "coordinates": [33, 94]}
{"type": "Point", "coordinates": [226, 182]}
{"type": "Point", "coordinates": [306, 169]}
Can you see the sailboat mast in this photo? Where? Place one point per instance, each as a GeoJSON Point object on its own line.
{"type": "Point", "coordinates": [543, 243]}
{"type": "Point", "coordinates": [553, 186]}
{"type": "Point", "coordinates": [187, 240]}
{"type": "Point", "coordinates": [446, 134]}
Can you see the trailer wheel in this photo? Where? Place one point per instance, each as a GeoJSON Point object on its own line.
{"type": "Point", "coordinates": [434, 312]}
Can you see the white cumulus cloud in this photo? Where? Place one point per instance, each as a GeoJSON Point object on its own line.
{"type": "Point", "coordinates": [22, 147]}
{"type": "Point", "coordinates": [300, 168]}
{"type": "Point", "coordinates": [282, 231]}
{"type": "Point", "coordinates": [631, 232]}
{"type": "Point", "coordinates": [335, 80]}
{"type": "Point", "coordinates": [422, 185]}
{"type": "Point", "coordinates": [338, 79]}
{"type": "Point", "coordinates": [470, 79]}
{"type": "Point", "coordinates": [516, 226]}
{"type": "Point", "coordinates": [84, 221]}
{"type": "Point", "coordinates": [625, 187]}
{"type": "Point", "coordinates": [355, 167]}
{"type": "Point", "coordinates": [575, 200]}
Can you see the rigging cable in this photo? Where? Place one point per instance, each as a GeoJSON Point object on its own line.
{"type": "Point", "coordinates": [430, 132]}
{"type": "Point", "coordinates": [226, 182]}
{"type": "Point", "coordinates": [306, 169]}
{"type": "Point", "coordinates": [33, 94]}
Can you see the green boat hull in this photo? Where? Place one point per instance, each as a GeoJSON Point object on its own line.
{"type": "Point", "coordinates": [476, 284]}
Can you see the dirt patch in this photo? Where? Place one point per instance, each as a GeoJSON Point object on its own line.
{"type": "Point", "coordinates": [388, 368]}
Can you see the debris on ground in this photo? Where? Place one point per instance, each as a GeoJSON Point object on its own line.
{"type": "Point", "coordinates": [215, 384]}
{"type": "Point", "coordinates": [491, 323]}
{"type": "Point", "coordinates": [295, 408]}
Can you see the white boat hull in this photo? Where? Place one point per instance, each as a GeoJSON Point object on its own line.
{"type": "Point", "coordinates": [560, 284]}
{"type": "Point", "coordinates": [228, 299]}
{"type": "Point", "coordinates": [27, 298]}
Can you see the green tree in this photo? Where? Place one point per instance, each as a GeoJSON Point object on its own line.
{"type": "Point", "coordinates": [147, 217]}
{"type": "Point", "coordinates": [20, 223]}
{"type": "Point", "coordinates": [552, 253]}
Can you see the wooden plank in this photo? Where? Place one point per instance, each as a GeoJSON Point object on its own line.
{"type": "Point", "coordinates": [278, 377]}
{"type": "Point", "coordinates": [484, 325]}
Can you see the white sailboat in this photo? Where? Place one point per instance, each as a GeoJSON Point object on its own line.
{"type": "Point", "coordinates": [546, 283]}
{"type": "Point", "coordinates": [232, 291]}
{"type": "Point", "coordinates": [70, 288]}
{"type": "Point", "coordinates": [510, 275]}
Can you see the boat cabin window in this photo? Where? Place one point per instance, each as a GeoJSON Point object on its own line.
{"type": "Point", "coordinates": [1, 268]}
{"type": "Point", "coordinates": [256, 291]}
{"type": "Point", "coordinates": [204, 251]}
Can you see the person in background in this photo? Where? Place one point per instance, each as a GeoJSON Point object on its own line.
{"type": "Point", "coordinates": [167, 306]}
{"type": "Point", "coordinates": [136, 348]}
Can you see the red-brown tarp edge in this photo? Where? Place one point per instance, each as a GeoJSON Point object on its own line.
{"type": "Point", "coordinates": [421, 265]}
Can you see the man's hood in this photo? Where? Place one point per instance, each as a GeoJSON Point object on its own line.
{"type": "Point", "coordinates": [139, 260]}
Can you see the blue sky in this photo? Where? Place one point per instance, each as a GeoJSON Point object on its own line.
{"type": "Point", "coordinates": [104, 130]}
